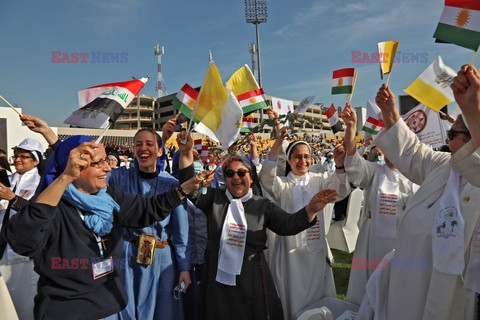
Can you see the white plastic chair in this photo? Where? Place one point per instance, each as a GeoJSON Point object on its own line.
{"type": "Point", "coordinates": [322, 313]}
{"type": "Point", "coordinates": [6, 303]}
{"type": "Point", "coordinates": [343, 234]}
{"type": "Point", "coordinates": [336, 306]}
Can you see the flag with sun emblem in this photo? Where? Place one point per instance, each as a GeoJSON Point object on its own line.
{"type": "Point", "coordinates": [342, 81]}
{"type": "Point", "coordinates": [184, 101]}
{"type": "Point", "coordinates": [460, 24]}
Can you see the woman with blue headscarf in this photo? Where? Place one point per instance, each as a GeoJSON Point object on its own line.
{"type": "Point", "coordinates": [73, 231]}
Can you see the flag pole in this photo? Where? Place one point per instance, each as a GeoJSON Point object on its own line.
{"type": "Point", "coordinates": [9, 104]}
{"type": "Point", "coordinates": [196, 101]}
{"type": "Point", "coordinates": [474, 57]}
{"type": "Point", "coordinates": [349, 96]}
{"type": "Point", "coordinates": [100, 137]}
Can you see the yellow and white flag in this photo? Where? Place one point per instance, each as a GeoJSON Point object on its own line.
{"type": "Point", "coordinates": [432, 87]}
{"type": "Point", "coordinates": [218, 109]}
{"type": "Point", "coordinates": [387, 51]}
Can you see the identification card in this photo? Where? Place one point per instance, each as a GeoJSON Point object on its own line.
{"type": "Point", "coordinates": [146, 249]}
{"type": "Point", "coordinates": [102, 268]}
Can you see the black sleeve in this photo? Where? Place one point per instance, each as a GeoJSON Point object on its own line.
{"type": "Point", "coordinates": [137, 211]}
{"type": "Point", "coordinates": [286, 224]}
{"type": "Point", "coordinates": [28, 231]}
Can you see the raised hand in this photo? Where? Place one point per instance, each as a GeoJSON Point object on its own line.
{"type": "Point", "coordinates": [168, 129]}
{"type": "Point", "coordinates": [184, 141]}
{"type": "Point", "coordinates": [320, 200]}
{"type": "Point", "coordinates": [349, 116]}
{"type": "Point", "coordinates": [385, 98]}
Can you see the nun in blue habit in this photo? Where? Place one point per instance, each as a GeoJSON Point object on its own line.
{"type": "Point", "coordinates": [150, 287]}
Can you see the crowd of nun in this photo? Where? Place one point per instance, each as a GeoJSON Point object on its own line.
{"type": "Point", "coordinates": [83, 238]}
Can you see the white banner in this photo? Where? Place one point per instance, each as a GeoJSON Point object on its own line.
{"type": "Point", "coordinates": [427, 125]}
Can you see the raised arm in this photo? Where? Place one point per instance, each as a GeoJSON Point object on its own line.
{"type": "Point", "coordinates": [466, 89]}
{"type": "Point", "coordinates": [385, 99]}
{"type": "Point", "coordinates": [40, 126]}
{"type": "Point", "coordinates": [350, 118]}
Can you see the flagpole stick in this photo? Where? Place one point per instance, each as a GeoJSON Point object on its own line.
{"type": "Point", "coordinates": [388, 77]}
{"type": "Point", "coordinates": [474, 57]}
{"type": "Point", "coordinates": [100, 137]}
{"type": "Point", "coordinates": [8, 103]}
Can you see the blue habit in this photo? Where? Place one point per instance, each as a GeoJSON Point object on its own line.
{"type": "Point", "coordinates": [150, 288]}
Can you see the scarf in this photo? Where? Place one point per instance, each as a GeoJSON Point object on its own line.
{"type": "Point", "coordinates": [472, 276]}
{"type": "Point", "coordinates": [448, 230]}
{"type": "Point", "coordinates": [387, 202]}
{"type": "Point", "coordinates": [98, 208]}
{"type": "Point", "coordinates": [312, 237]}
{"type": "Point", "coordinates": [232, 240]}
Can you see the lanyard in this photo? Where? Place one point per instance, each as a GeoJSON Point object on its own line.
{"type": "Point", "coordinates": [98, 239]}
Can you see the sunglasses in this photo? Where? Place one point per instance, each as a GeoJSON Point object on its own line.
{"type": "Point", "coordinates": [241, 173]}
{"type": "Point", "coordinates": [452, 133]}
{"type": "Point", "coordinates": [178, 290]}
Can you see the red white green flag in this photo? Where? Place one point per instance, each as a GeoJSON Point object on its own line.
{"type": "Point", "coordinates": [460, 24]}
{"type": "Point", "coordinates": [342, 81]}
{"type": "Point", "coordinates": [248, 122]}
{"type": "Point", "coordinates": [373, 125]}
{"type": "Point", "coordinates": [252, 100]}
{"type": "Point", "coordinates": [102, 104]}
{"type": "Point", "coordinates": [184, 101]}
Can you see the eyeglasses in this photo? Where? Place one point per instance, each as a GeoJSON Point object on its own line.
{"type": "Point", "coordinates": [241, 173]}
{"type": "Point", "coordinates": [21, 156]}
{"type": "Point", "coordinates": [99, 164]}
{"type": "Point", "coordinates": [452, 133]}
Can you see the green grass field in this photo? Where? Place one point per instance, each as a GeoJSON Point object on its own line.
{"type": "Point", "coordinates": [341, 271]}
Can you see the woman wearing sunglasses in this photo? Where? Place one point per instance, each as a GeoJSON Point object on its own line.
{"type": "Point", "coordinates": [299, 263]}
{"type": "Point", "coordinates": [238, 282]}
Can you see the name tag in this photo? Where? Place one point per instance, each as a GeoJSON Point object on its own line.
{"type": "Point", "coordinates": [102, 268]}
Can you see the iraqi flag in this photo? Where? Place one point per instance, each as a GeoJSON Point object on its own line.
{"type": "Point", "coordinates": [333, 119]}
{"type": "Point", "coordinates": [374, 124]}
{"type": "Point", "coordinates": [204, 151]}
{"type": "Point", "coordinates": [342, 81]}
{"type": "Point", "coordinates": [460, 24]}
{"type": "Point", "coordinates": [103, 104]}
{"type": "Point", "coordinates": [184, 101]}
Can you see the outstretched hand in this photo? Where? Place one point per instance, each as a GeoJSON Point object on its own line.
{"type": "Point", "coordinates": [320, 200]}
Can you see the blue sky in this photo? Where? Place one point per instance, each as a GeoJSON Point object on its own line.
{"type": "Point", "coordinates": [302, 42]}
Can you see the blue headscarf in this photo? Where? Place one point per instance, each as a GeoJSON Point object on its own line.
{"type": "Point", "coordinates": [99, 207]}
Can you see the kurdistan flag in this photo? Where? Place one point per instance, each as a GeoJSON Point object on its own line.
{"type": "Point", "coordinates": [184, 101]}
{"type": "Point", "coordinates": [460, 24]}
{"type": "Point", "coordinates": [342, 81]}
{"type": "Point", "coordinates": [102, 104]}
{"type": "Point", "coordinates": [248, 122]}
{"type": "Point", "coordinates": [244, 86]}
{"type": "Point", "coordinates": [432, 87]}
{"type": "Point", "coordinates": [373, 124]}
{"type": "Point", "coordinates": [218, 109]}
{"type": "Point", "coordinates": [387, 51]}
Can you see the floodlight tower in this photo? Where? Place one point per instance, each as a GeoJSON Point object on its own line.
{"type": "Point", "coordinates": [159, 52]}
{"type": "Point", "coordinates": [252, 48]}
{"type": "Point", "coordinates": [256, 13]}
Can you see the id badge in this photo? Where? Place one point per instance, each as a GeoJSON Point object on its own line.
{"type": "Point", "coordinates": [102, 268]}
{"type": "Point", "coordinates": [146, 249]}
